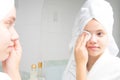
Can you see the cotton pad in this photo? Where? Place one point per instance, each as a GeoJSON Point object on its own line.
{"type": "Point", "coordinates": [89, 34]}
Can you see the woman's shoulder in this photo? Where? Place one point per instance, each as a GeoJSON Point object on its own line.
{"type": "Point", "coordinates": [115, 61]}
{"type": "Point", "coordinates": [115, 58]}
{"type": "Point", "coordinates": [4, 76]}
{"type": "Point", "coordinates": [110, 58]}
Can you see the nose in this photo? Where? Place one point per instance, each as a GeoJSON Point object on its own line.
{"type": "Point", "coordinates": [93, 39]}
{"type": "Point", "coordinates": [14, 35]}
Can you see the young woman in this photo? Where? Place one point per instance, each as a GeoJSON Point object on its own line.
{"type": "Point", "coordinates": [93, 47]}
{"type": "Point", "coordinates": [10, 49]}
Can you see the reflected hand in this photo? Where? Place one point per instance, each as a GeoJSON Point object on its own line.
{"type": "Point", "coordinates": [11, 64]}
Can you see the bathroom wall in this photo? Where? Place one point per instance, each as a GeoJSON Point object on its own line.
{"type": "Point", "coordinates": [57, 20]}
{"type": "Point", "coordinates": [45, 28]}
{"type": "Point", "coordinates": [28, 25]}
{"type": "Point", "coordinates": [116, 33]}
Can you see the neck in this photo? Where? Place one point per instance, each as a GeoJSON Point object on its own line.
{"type": "Point", "coordinates": [91, 61]}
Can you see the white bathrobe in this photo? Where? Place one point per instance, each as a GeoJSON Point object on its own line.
{"type": "Point", "coordinates": [4, 76]}
{"type": "Point", "coordinates": [107, 67]}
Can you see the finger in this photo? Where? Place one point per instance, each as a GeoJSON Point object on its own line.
{"type": "Point", "coordinates": [18, 47]}
{"type": "Point", "coordinates": [17, 44]}
{"type": "Point", "coordinates": [80, 40]}
{"type": "Point", "coordinates": [86, 38]}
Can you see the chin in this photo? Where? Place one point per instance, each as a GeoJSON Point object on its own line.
{"type": "Point", "coordinates": [4, 58]}
{"type": "Point", "coordinates": [94, 54]}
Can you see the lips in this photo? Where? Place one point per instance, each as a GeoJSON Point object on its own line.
{"type": "Point", "coordinates": [11, 44]}
{"type": "Point", "coordinates": [93, 47]}
{"type": "Point", "coordinates": [11, 47]}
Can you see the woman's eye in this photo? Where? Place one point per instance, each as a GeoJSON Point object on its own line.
{"type": "Point", "coordinates": [8, 23]}
{"type": "Point", "coordinates": [100, 34]}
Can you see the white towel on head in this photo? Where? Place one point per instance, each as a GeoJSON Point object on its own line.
{"type": "Point", "coordinates": [100, 10]}
{"type": "Point", "coordinates": [5, 7]}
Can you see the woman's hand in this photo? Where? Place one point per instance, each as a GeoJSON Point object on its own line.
{"type": "Point", "coordinates": [81, 57]}
{"type": "Point", "coordinates": [11, 65]}
{"type": "Point", "coordinates": [80, 51]}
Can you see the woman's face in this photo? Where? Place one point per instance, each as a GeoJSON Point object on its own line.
{"type": "Point", "coordinates": [7, 34]}
{"type": "Point", "coordinates": [99, 39]}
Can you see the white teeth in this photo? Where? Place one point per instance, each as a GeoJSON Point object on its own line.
{"type": "Point", "coordinates": [89, 34]}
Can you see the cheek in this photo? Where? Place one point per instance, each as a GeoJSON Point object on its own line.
{"type": "Point", "coordinates": [101, 42]}
{"type": "Point", "coordinates": [4, 35]}
{"type": "Point", "coordinates": [104, 42]}
{"type": "Point", "coordinates": [4, 43]}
